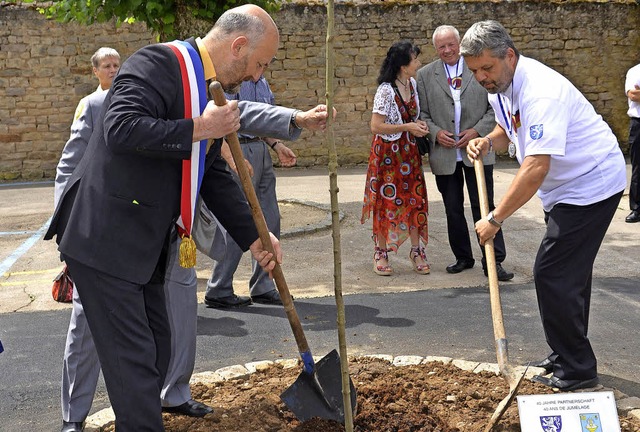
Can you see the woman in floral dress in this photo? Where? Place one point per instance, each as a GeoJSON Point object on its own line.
{"type": "Point", "coordinates": [395, 192]}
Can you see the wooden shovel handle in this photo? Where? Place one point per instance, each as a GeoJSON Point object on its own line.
{"type": "Point", "coordinates": [490, 255]}
{"type": "Point", "coordinates": [215, 88]}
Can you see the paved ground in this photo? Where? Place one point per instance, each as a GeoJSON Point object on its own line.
{"type": "Point", "coordinates": [437, 314]}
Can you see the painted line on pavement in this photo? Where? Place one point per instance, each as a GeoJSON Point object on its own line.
{"type": "Point", "coordinates": [23, 248]}
{"type": "Point", "coordinates": [8, 233]}
{"type": "Point", "coordinates": [24, 282]}
{"type": "Point", "coordinates": [32, 272]}
{"type": "Point", "coordinates": [621, 298]}
{"type": "Point", "coordinates": [26, 184]}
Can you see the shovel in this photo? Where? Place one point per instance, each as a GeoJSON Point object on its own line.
{"type": "Point", "coordinates": [513, 378]}
{"type": "Point", "coordinates": [318, 390]}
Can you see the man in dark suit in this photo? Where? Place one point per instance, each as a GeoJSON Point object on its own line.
{"type": "Point", "coordinates": [116, 213]}
{"type": "Point", "coordinates": [456, 110]}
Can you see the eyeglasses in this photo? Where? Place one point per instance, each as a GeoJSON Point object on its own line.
{"type": "Point", "coordinates": [263, 66]}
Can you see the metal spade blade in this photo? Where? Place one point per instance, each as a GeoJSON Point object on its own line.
{"type": "Point", "coordinates": [319, 394]}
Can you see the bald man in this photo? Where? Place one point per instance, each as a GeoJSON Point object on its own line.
{"type": "Point", "coordinates": [117, 210]}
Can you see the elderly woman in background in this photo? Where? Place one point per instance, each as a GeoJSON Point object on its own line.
{"type": "Point", "coordinates": [395, 190]}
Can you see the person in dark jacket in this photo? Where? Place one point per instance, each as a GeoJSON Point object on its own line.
{"type": "Point", "coordinates": [117, 211]}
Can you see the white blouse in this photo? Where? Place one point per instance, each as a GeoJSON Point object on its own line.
{"type": "Point", "coordinates": [384, 103]}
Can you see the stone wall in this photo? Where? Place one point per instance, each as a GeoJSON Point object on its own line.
{"type": "Point", "coordinates": [591, 43]}
{"type": "Point", "coordinates": [45, 70]}
{"type": "Point", "coordinates": [44, 65]}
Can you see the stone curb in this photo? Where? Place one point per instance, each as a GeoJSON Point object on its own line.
{"type": "Point", "coordinates": [626, 405]}
{"type": "Point", "coordinates": [309, 229]}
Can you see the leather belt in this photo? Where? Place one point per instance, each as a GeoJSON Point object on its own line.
{"type": "Point", "coordinates": [248, 140]}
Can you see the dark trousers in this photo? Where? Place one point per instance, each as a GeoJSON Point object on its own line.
{"type": "Point", "coordinates": [452, 189]}
{"type": "Point", "coordinates": [634, 153]}
{"type": "Point", "coordinates": [562, 274]}
{"type": "Point", "coordinates": [131, 332]}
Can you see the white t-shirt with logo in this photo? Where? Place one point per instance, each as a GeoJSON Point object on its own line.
{"type": "Point", "coordinates": [555, 119]}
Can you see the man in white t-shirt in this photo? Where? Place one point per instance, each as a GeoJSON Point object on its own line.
{"type": "Point", "coordinates": [567, 154]}
{"type": "Point", "coordinates": [632, 90]}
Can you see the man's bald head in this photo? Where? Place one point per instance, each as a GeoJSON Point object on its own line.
{"type": "Point", "coordinates": [248, 20]}
{"type": "Point", "coordinates": [242, 44]}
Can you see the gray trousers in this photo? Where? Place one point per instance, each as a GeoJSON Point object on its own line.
{"type": "Point", "coordinates": [81, 367]}
{"type": "Point", "coordinates": [180, 291]}
{"type": "Point", "coordinates": [224, 266]}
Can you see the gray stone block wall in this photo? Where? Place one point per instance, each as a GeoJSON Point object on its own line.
{"type": "Point", "coordinates": [44, 65]}
{"type": "Point", "coordinates": [45, 70]}
{"type": "Point", "coordinates": [592, 43]}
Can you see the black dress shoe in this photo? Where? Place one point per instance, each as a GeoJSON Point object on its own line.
{"type": "Point", "coordinates": [233, 301]}
{"type": "Point", "coordinates": [460, 265]}
{"type": "Point", "coordinates": [190, 408]}
{"type": "Point", "coordinates": [71, 426]}
{"type": "Point", "coordinates": [503, 275]}
{"type": "Point", "coordinates": [270, 297]}
{"type": "Point", "coordinates": [545, 364]}
{"type": "Point", "coordinates": [565, 385]}
{"type": "Point", "coordinates": [633, 217]}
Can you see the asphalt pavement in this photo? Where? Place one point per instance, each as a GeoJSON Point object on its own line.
{"type": "Point", "coordinates": [405, 314]}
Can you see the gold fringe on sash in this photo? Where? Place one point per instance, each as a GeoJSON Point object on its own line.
{"type": "Point", "coordinates": [187, 253]}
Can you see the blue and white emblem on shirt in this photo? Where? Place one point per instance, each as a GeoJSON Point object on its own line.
{"type": "Point", "coordinates": [536, 131]}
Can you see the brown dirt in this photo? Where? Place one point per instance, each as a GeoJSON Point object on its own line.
{"type": "Point", "coordinates": [431, 397]}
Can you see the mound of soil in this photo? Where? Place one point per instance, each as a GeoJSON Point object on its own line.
{"type": "Point", "coordinates": [433, 397]}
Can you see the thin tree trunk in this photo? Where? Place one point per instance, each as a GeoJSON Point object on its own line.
{"type": "Point", "coordinates": [335, 224]}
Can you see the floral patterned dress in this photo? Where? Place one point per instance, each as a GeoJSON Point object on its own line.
{"type": "Point", "coordinates": [395, 191]}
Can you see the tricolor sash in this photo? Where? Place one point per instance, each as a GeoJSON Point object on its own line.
{"type": "Point", "coordinates": [194, 88]}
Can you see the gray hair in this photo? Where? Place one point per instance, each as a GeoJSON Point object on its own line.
{"type": "Point", "coordinates": [103, 53]}
{"type": "Point", "coordinates": [232, 23]}
{"type": "Point", "coordinates": [445, 29]}
{"type": "Point", "coordinates": [489, 35]}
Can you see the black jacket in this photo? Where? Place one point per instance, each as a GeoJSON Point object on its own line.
{"type": "Point", "coordinates": [118, 208]}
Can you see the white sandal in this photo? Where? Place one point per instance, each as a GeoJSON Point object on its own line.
{"type": "Point", "coordinates": [382, 270]}
{"type": "Point", "coordinates": [414, 253]}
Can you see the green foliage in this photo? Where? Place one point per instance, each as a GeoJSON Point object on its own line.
{"type": "Point", "coordinates": [159, 16]}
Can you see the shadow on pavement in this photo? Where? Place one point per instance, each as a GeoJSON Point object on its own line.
{"type": "Point", "coordinates": [313, 316]}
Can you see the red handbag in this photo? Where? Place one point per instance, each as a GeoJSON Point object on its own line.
{"type": "Point", "coordinates": [62, 289]}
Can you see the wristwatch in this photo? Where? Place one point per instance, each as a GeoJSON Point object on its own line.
{"type": "Point", "coordinates": [493, 221]}
{"type": "Point", "coordinates": [293, 119]}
